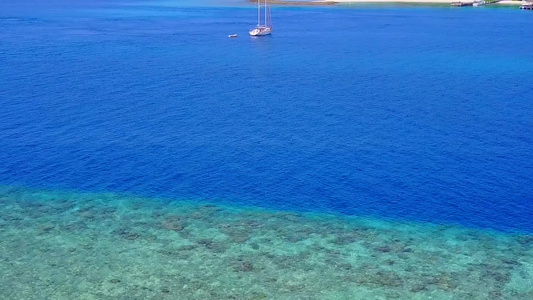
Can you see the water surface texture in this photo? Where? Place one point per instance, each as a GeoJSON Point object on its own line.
{"type": "Point", "coordinates": [388, 141]}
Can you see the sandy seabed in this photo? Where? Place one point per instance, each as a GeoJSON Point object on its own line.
{"type": "Point", "coordinates": [71, 245]}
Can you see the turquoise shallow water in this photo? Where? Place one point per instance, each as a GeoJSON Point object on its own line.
{"type": "Point", "coordinates": [65, 245]}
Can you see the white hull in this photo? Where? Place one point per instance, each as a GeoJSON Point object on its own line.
{"type": "Point", "coordinates": [260, 31]}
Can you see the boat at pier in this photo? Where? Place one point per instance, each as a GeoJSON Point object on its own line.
{"type": "Point", "coordinates": [527, 6]}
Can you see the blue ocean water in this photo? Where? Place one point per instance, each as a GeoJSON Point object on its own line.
{"type": "Point", "coordinates": [411, 113]}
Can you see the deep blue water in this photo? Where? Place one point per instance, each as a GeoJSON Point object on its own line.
{"type": "Point", "coordinates": [412, 113]}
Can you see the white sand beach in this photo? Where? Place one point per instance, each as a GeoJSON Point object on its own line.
{"type": "Point", "coordinates": [505, 2]}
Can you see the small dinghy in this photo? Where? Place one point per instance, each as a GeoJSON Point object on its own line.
{"type": "Point", "coordinates": [232, 35]}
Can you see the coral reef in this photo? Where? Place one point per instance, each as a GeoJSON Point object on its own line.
{"type": "Point", "coordinates": [71, 245]}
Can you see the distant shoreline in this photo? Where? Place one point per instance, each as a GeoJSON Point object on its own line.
{"type": "Point", "coordinates": [419, 2]}
{"type": "Point", "coordinates": [300, 2]}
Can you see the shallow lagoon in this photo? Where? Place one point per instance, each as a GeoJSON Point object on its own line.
{"type": "Point", "coordinates": [66, 245]}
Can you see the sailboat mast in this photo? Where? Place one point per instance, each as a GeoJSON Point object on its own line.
{"type": "Point", "coordinates": [269, 16]}
{"type": "Point", "coordinates": [266, 23]}
{"type": "Point", "coordinates": [258, 12]}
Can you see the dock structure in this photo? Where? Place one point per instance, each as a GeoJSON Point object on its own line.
{"type": "Point", "coordinates": [475, 3]}
{"type": "Point", "coordinates": [527, 6]}
{"type": "Point", "coordinates": [490, 2]}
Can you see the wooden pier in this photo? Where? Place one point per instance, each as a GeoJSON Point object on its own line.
{"type": "Point", "coordinates": [527, 6]}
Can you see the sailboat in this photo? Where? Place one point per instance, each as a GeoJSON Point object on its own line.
{"type": "Point", "coordinates": [266, 27]}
